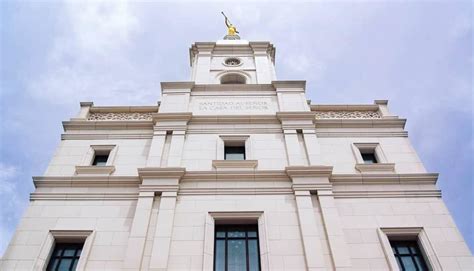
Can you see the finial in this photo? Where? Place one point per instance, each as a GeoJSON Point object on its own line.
{"type": "Point", "coordinates": [231, 30]}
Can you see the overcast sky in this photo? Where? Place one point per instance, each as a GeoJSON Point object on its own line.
{"type": "Point", "coordinates": [416, 54]}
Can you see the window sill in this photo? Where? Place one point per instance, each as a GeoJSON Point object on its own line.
{"type": "Point", "coordinates": [235, 164]}
{"type": "Point", "coordinates": [95, 169]}
{"type": "Point", "coordinates": [379, 167]}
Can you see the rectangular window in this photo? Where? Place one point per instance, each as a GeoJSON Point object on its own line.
{"type": "Point", "coordinates": [234, 153]}
{"type": "Point", "coordinates": [369, 158]}
{"type": "Point", "coordinates": [65, 257]}
{"type": "Point", "coordinates": [408, 255]}
{"type": "Point", "coordinates": [100, 160]}
{"type": "Point", "coordinates": [236, 248]}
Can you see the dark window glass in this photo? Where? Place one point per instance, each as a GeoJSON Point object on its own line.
{"type": "Point", "coordinates": [100, 160]}
{"type": "Point", "coordinates": [369, 158]}
{"type": "Point", "coordinates": [236, 248]}
{"type": "Point", "coordinates": [234, 153]}
{"type": "Point", "coordinates": [408, 256]}
{"type": "Point", "coordinates": [65, 257]}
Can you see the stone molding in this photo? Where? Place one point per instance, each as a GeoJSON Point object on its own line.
{"type": "Point", "coordinates": [235, 164]}
{"type": "Point", "coordinates": [289, 85]}
{"type": "Point", "coordinates": [378, 167]}
{"type": "Point", "coordinates": [95, 169]}
{"type": "Point", "coordinates": [161, 172]}
{"type": "Point", "coordinates": [360, 123]}
{"type": "Point", "coordinates": [107, 125]}
{"type": "Point", "coordinates": [309, 171]}
{"type": "Point", "coordinates": [169, 179]}
{"type": "Point", "coordinates": [385, 178]}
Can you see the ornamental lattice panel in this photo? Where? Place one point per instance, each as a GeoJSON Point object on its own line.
{"type": "Point", "coordinates": [346, 114]}
{"type": "Point", "coordinates": [120, 116]}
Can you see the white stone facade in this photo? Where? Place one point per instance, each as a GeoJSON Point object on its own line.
{"type": "Point", "coordinates": [155, 203]}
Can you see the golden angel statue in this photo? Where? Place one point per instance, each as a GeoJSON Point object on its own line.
{"type": "Point", "coordinates": [231, 29]}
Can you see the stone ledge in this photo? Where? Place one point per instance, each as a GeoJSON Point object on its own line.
{"type": "Point", "coordinates": [235, 164]}
{"type": "Point", "coordinates": [95, 169]}
{"type": "Point", "coordinates": [379, 167]}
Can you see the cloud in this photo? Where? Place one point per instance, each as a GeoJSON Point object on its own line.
{"type": "Point", "coordinates": [91, 55]}
{"type": "Point", "coordinates": [10, 202]}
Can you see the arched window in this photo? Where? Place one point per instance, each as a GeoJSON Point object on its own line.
{"type": "Point", "coordinates": [233, 78]}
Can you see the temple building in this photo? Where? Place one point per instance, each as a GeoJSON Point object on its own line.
{"type": "Point", "coordinates": [236, 170]}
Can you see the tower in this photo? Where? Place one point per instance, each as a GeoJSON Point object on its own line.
{"type": "Point", "coordinates": [236, 170]}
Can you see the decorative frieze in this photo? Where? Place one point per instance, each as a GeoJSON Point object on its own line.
{"type": "Point", "coordinates": [348, 114]}
{"type": "Point", "coordinates": [120, 116]}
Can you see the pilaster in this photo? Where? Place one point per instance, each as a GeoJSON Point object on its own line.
{"type": "Point", "coordinates": [316, 179]}
{"type": "Point", "coordinates": [263, 64]}
{"type": "Point", "coordinates": [166, 182]}
{"type": "Point", "coordinates": [138, 232]}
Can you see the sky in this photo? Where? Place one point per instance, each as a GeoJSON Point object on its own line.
{"type": "Point", "coordinates": [416, 54]}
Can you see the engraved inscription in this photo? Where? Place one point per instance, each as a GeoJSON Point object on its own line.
{"type": "Point", "coordinates": [234, 106]}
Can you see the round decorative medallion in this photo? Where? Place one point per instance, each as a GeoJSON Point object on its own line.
{"type": "Point", "coordinates": [232, 61]}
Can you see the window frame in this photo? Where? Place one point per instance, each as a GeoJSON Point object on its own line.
{"type": "Point", "coordinates": [249, 217]}
{"type": "Point", "coordinates": [65, 236]}
{"type": "Point", "coordinates": [87, 165]}
{"type": "Point", "coordinates": [417, 234]}
{"type": "Point", "coordinates": [233, 148]}
{"type": "Point", "coordinates": [382, 164]}
{"type": "Point", "coordinates": [77, 246]}
{"type": "Point", "coordinates": [246, 239]}
{"type": "Point", "coordinates": [396, 244]}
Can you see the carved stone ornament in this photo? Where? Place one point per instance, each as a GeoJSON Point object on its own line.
{"type": "Point", "coordinates": [120, 116]}
{"type": "Point", "coordinates": [345, 114]}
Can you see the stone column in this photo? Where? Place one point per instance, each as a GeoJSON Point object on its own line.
{"type": "Point", "coordinates": [164, 228]}
{"type": "Point", "coordinates": [332, 224]}
{"type": "Point", "coordinates": [138, 232]}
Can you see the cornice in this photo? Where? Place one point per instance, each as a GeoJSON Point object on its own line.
{"type": "Point", "coordinates": [86, 180]}
{"type": "Point", "coordinates": [289, 84]}
{"type": "Point", "coordinates": [161, 172]}
{"type": "Point", "coordinates": [309, 171]}
{"type": "Point", "coordinates": [232, 175]}
{"type": "Point", "coordinates": [106, 125]}
{"type": "Point", "coordinates": [344, 107]}
{"type": "Point", "coordinates": [357, 134]}
{"type": "Point", "coordinates": [360, 123]}
{"type": "Point", "coordinates": [184, 116]}
{"type": "Point", "coordinates": [233, 87]}
{"type": "Point", "coordinates": [106, 136]}
{"type": "Point", "coordinates": [295, 115]}
{"type": "Point", "coordinates": [233, 119]}
{"type": "Point", "coordinates": [83, 196]}
{"type": "Point", "coordinates": [123, 109]}
{"type": "Point", "coordinates": [177, 85]}
{"type": "Point", "coordinates": [384, 178]}
{"type": "Point", "coordinates": [388, 194]}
